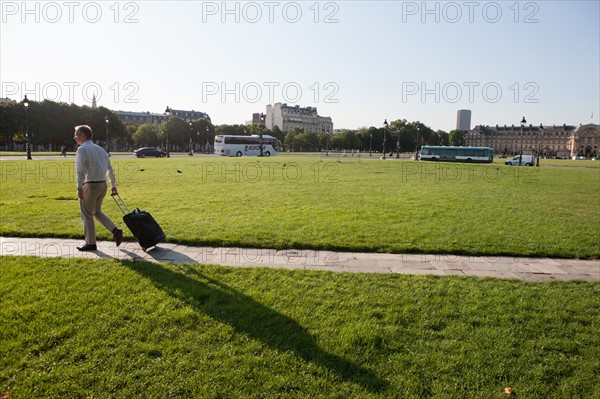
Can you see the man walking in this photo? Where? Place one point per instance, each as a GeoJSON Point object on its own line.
{"type": "Point", "coordinates": [92, 166]}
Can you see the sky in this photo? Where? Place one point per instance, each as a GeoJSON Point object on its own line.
{"type": "Point", "coordinates": [358, 62]}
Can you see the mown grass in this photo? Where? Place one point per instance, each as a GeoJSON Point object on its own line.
{"type": "Point", "coordinates": [339, 204]}
{"type": "Point", "coordinates": [107, 328]}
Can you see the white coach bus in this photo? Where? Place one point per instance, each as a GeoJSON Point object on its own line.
{"type": "Point", "coordinates": [236, 146]}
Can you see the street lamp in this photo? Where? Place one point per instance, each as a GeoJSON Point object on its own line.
{"type": "Point", "coordinates": [540, 145]}
{"type": "Point", "coordinates": [370, 143]}
{"type": "Point", "coordinates": [385, 126]}
{"type": "Point", "coordinates": [107, 142]}
{"type": "Point", "coordinates": [190, 153]}
{"type": "Point", "coordinates": [523, 122]}
{"type": "Point", "coordinates": [168, 113]}
{"type": "Point", "coordinates": [398, 145]}
{"type": "Point", "coordinates": [417, 145]}
{"type": "Point", "coordinates": [261, 141]}
{"type": "Point", "coordinates": [207, 143]}
{"type": "Point", "coordinates": [28, 142]}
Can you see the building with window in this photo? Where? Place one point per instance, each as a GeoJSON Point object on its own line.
{"type": "Point", "coordinates": [564, 141]}
{"type": "Point", "coordinates": [140, 118]}
{"type": "Point", "coordinates": [258, 119]}
{"type": "Point", "coordinates": [289, 118]}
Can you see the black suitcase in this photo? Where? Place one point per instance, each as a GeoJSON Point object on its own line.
{"type": "Point", "coordinates": [141, 224]}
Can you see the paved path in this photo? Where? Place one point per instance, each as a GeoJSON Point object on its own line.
{"type": "Point", "coordinates": [529, 269]}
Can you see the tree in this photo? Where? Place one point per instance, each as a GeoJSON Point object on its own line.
{"type": "Point", "coordinates": [346, 140]}
{"type": "Point", "coordinates": [424, 132]}
{"type": "Point", "coordinates": [277, 133]}
{"type": "Point", "coordinates": [456, 137]}
{"type": "Point", "coordinates": [203, 133]}
{"type": "Point", "coordinates": [367, 137]}
{"type": "Point", "coordinates": [146, 135]}
{"type": "Point", "coordinates": [12, 122]}
{"type": "Point", "coordinates": [301, 140]}
{"type": "Point", "coordinates": [311, 141]}
{"type": "Point", "coordinates": [290, 141]}
{"type": "Point", "coordinates": [401, 131]}
{"type": "Point", "coordinates": [178, 132]}
{"type": "Point", "coordinates": [441, 137]}
{"type": "Point", "coordinates": [236, 130]}
{"type": "Point", "coordinates": [130, 130]}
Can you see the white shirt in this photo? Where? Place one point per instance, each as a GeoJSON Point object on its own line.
{"type": "Point", "coordinates": [93, 164]}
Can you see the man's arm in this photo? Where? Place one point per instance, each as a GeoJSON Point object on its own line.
{"type": "Point", "coordinates": [80, 170]}
{"type": "Point", "coordinates": [111, 176]}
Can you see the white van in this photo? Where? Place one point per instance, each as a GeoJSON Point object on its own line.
{"type": "Point", "coordinates": [527, 160]}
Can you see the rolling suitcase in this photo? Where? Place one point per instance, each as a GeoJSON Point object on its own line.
{"type": "Point", "coordinates": [141, 224]}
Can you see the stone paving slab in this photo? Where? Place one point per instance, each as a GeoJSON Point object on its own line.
{"type": "Point", "coordinates": [527, 269]}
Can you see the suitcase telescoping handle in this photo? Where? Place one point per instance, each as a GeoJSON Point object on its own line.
{"type": "Point", "coordinates": [120, 203]}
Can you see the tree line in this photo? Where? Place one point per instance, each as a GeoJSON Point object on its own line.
{"type": "Point", "coordinates": [399, 135]}
{"type": "Point", "coordinates": [51, 125]}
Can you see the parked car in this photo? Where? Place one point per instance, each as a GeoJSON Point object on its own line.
{"type": "Point", "coordinates": [149, 152]}
{"type": "Point", "coordinates": [527, 160]}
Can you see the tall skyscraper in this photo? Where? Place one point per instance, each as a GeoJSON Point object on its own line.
{"type": "Point", "coordinates": [463, 120]}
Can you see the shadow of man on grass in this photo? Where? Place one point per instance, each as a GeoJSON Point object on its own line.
{"type": "Point", "coordinates": [247, 316]}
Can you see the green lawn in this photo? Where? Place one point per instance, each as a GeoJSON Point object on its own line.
{"type": "Point", "coordinates": [320, 203]}
{"type": "Point", "coordinates": [107, 328]}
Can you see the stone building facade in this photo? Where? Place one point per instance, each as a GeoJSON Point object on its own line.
{"type": "Point", "coordinates": [139, 118]}
{"type": "Point", "coordinates": [564, 141]}
{"type": "Point", "coordinates": [289, 118]}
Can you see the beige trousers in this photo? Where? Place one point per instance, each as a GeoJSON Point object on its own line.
{"type": "Point", "coordinates": [90, 207]}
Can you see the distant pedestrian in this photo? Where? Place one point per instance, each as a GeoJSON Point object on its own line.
{"type": "Point", "coordinates": [63, 150]}
{"type": "Point", "coordinates": [92, 166]}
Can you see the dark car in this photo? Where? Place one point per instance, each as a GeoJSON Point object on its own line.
{"type": "Point", "coordinates": [149, 152]}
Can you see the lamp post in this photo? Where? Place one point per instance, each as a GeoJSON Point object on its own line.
{"type": "Point", "coordinates": [540, 145]}
{"type": "Point", "coordinates": [28, 142]}
{"type": "Point", "coordinates": [107, 142]}
{"type": "Point", "coordinates": [190, 153]}
{"type": "Point", "coordinates": [417, 144]}
{"type": "Point", "coordinates": [199, 148]}
{"type": "Point", "coordinates": [261, 142]}
{"type": "Point", "coordinates": [168, 113]}
{"type": "Point", "coordinates": [398, 145]}
{"type": "Point", "coordinates": [385, 126]}
{"type": "Point", "coordinates": [207, 143]}
{"type": "Point", "coordinates": [370, 143]}
{"type": "Point", "coordinates": [523, 122]}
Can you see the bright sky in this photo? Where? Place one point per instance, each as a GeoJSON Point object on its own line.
{"type": "Point", "coordinates": [356, 61]}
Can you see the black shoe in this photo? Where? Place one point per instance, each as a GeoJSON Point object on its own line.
{"type": "Point", "coordinates": [118, 234]}
{"type": "Point", "coordinates": [88, 247]}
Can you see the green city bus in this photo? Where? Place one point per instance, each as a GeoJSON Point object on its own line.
{"type": "Point", "coordinates": [456, 154]}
